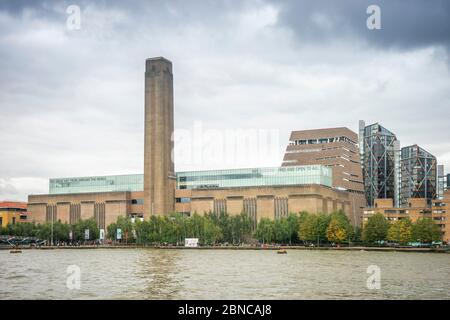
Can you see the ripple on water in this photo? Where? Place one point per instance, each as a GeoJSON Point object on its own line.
{"type": "Point", "coordinates": [223, 274]}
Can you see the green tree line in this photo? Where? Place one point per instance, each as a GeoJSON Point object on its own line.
{"type": "Point", "coordinates": [61, 231]}
{"type": "Point", "coordinates": [212, 229]}
{"type": "Point", "coordinates": [378, 229]}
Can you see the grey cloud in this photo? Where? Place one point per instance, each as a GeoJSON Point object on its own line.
{"type": "Point", "coordinates": [405, 24]}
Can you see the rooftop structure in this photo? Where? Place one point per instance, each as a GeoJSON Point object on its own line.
{"type": "Point", "coordinates": [229, 178]}
{"type": "Point", "coordinates": [131, 182]}
{"type": "Point", "coordinates": [335, 148]}
{"type": "Point", "coordinates": [252, 177]}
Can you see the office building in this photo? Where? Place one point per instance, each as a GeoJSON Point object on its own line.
{"type": "Point", "coordinates": [445, 179]}
{"type": "Point", "coordinates": [441, 182]}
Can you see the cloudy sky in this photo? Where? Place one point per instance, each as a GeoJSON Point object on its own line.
{"type": "Point", "coordinates": [71, 101]}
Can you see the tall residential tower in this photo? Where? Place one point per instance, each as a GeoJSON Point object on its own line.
{"type": "Point", "coordinates": [159, 176]}
{"type": "Point", "coordinates": [418, 175]}
{"type": "Point", "coordinates": [380, 160]}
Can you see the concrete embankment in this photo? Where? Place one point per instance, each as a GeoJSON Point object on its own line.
{"type": "Point", "coordinates": [383, 249]}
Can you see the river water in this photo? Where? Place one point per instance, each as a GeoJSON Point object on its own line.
{"type": "Point", "coordinates": [221, 274]}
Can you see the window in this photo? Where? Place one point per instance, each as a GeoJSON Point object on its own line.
{"type": "Point", "coordinates": [183, 200]}
{"type": "Point", "coordinates": [137, 201]}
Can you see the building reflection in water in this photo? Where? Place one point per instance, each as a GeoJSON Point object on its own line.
{"type": "Point", "coordinates": [158, 268]}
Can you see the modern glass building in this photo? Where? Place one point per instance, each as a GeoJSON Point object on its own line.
{"type": "Point", "coordinates": [210, 179]}
{"type": "Point", "coordinates": [379, 150]}
{"type": "Point", "coordinates": [441, 182]}
{"type": "Point", "coordinates": [418, 174]}
{"type": "Point", "coordinates": [232, 178]}
{"type": "Point", "coordinates": [132, 182]}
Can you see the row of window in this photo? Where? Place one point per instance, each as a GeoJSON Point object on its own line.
{"type": "Point", "coordinates": [319, 150]}
{"type": "Point", "coordinates": [338, 157]}
{"type": "Point", "coordinates": [13, 209]}
{"type": "Point", "coordinates": [133, 182]}
{"type": "Point", "coordinates": [292, 175]}
{"type": "Point", "coordinates": [322, 140]}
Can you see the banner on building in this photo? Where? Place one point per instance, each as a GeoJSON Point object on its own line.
{"type": "Point", "coordinates": [119, 234]}
{"type": "Point", "coordinates": [86, 234]}
{"type": "Point", "coordinates": [102, 234]}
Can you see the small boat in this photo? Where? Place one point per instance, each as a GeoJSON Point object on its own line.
{"type": "Point", "coordinates": [15, 251]}
{"type": "Point", "coordinates": [282, 251]}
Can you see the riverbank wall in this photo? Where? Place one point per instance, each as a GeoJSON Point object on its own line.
{"type": "Point", "coordinates": [272, 248]}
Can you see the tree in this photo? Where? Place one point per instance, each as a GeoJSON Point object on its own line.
{"type": "Point", "coordinates": [245, 227]}
{"type": "Point", "coordinates": [281, 231]}
{"type": "Point", "coordinates": [426, 231]}
{"type": "Point", "coordinates": [344, 221]}
{"type": "Point", "coordinates": [264, 231]}
{"type": "Point", "coordinates": [126, 226]}
{"type": "Point", "coordinates": [306, 227]}
{"type": "Point", "coordinates": [376, 228]}
{"type": "Point", "coordinates": [61, 231]}
{"type": "Point", "coordinates": [223, 221]}
{"type": "Point", "coordinates": [44, 231]}
{"type": "Point", "coordinates": [336, 231]}
{"type": "Point", "coordinates": [313, 227]}
{"type": "Point", "coordinates": [400, 231]}
{"type": "Point", "coordinates": [394, 231]}
{"type": "Point", "coordinates": [80, 227]}
{"type": "Point", "coordinates": [293, 225]}
{"type": "Point", "coordinates": [196, 226]}
{"type": "Point", "coordinates": [23, 229]}
{"type": "Point", "coordinates": [357, 233]}
{"type": "Point", "coordinates": [302, 217]}
{"type": "Point", "coordinates": [212, 232]}
{"type": "Point", "coordinates": [111, 231]}
{"type": "Point", "coordinates": [234, 229]}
